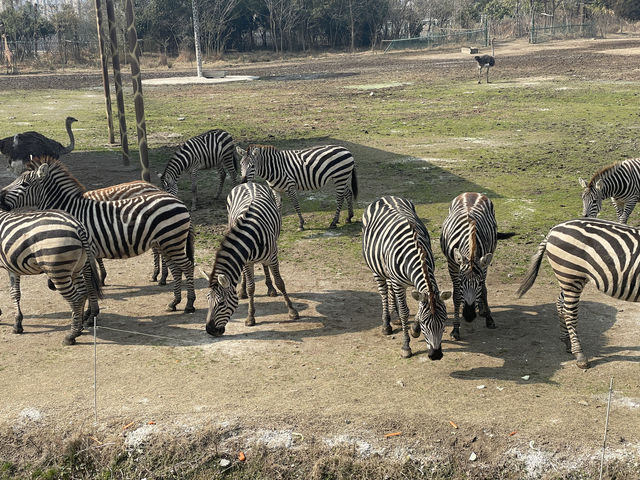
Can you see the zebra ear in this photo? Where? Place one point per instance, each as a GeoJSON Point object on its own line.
{"type": "Point", "coordinates": [204, 275]}
{"type": "Point", "coordinates": [598, 185]}
{"type": "Point", "coordinates": [223, 281]}
{"type": "Point", "coordinates": [419, 296]}
{"type": "Point", "coordinates": [486, 260]}
{"type": "Point", "coordinates": [457, 256]}
{"type": "Point", "coordinates": [241, 153]}
{"type": "Point", "coordinates": [445, 295]}
{"type": "Point", "coordinates": [43, 170]}
{"type": "Point", "coordinates": [583, 182]}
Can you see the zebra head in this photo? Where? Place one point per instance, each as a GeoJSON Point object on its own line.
{"type": "Point", "coordinates": [248, 159]}
{"type": "Point", "coordinates": [591, 197]}
{"type": "Point", "coordinates": [471, 277]}
{"type": "Point", "coordinates": [169, 183]}
{"type": "Point", "coordinates": [431, 316]}
{"type": "Point", "coordinates": [27, 190]}
{"type": "Point", "coordinates": [223, 301]}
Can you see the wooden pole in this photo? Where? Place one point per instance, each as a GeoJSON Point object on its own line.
{"type": "Point", "coordinates": [136, 78]}
{"type": "Point", "coordinates": [117, 79]}
{"type": "Point", "coordinates": [105, 71]}
{"type": "Point", "coordinates": [196, 36]}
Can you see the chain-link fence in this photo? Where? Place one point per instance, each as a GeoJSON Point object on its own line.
{"type": "Point", "coordinates": [561, 32]}
{"type": "Point", "coordinates": [478, 36]}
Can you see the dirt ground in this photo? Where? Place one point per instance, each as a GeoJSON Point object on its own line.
{"type": "Point", "coordinates": [503, 397]}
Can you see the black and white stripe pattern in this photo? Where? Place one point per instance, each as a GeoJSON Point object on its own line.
{"type": "Point", "coordinates": [620, 182]}
{"type": "Point", "coordinates": [123, 191]}
{"type": "Point", "coordinates": [582, 250]}
{"type": "Point", "coordinates": [118, 229]}
{"type": "Point", "coordinates": [56, 244]}
{"type": "Point", "coordinates": [308, 169]}
{"type": "Point", "coordinates": [254, 221]}
{"type": "Point", "coordinates": [212, 149]}
{"type": "Point", "coordinates": [397, 248]}
{"type": "Point", "coordinates": [468, 240]}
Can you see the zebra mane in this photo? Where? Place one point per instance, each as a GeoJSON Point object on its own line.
{"type": "Point", "coordinates": [603, 173]}
{"type": "Point", "coordinates": [55, 165]}
{"type": "Point", "coordinates": [472, 239]}
{"type": "Point", "coordinates": [261, 146]}
{"type": "Point", "coordinates": [423, 263]}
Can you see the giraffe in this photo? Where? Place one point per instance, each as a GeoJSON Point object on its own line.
{"type": "Point", "coordinates": [8, 55]}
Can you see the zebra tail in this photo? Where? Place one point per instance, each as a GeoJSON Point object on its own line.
{"type": "Point", "coordinates": [96, 284]}
{"type": "Point", "coordinates": [354, 184]}
{"type": "Point", "coordinates": [530, 278]}
{"type": "Point", "coordinates": [191, 244]}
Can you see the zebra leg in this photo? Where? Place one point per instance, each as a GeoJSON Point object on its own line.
{"type": "Point", "coordinates": [564, 333]}
{"type": "Point", "coordinates": [628, 208]}
{"type": "Point", "coordinates": [454, 271]}
{"type": "Point", "coordinates": [14, 282]}
{"type": "Point", "coordinates": [483, 305]}
{"type": "Point", "coordinates": [194, 188]}
{"type": "Point", "coordinates": [571, 300]}
{"type": "Point", "coordinates": [222, 174]}
{"type": "Point", "coordinates": [242, 289]}
{"type": "Point", "coordinates": [251, 290]}
{"type": "Point", "coordinates": [384, 289]}
{"type": "Point", "coordinates": [393, 305]}
{"type": "Point", "coordinates": [341, 192]}
{"type": "Point", "coordinates": [350, 205]}
{"type": "Point", "coordinates": [271, 292]}
{"type": "Point", "coordinates": [77, 298]}
{"type": "Point", "coordinates": [293, 196]}
{"type": "Point", "coordinates": [401, 299]}
{"type": "Point", "coordinates": [275, 269]}
{"type": "Point", "coordinates": [165, 270]}
{"type": "Point", "coordinates": [176, 272]}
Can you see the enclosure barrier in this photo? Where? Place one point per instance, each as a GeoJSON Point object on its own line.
{"type": "Point", "coordinates": [561, 32]}
{"type": "Point", "coordinates": [478, 36]}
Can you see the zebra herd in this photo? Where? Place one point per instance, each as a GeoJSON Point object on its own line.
{"type": "Point", "coordinates": [78, 228]}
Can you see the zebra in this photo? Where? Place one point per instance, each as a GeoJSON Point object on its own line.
{"type": "Point", "coordinates": [588, 249]}
{"type": "Point", "coordinates": [307, 169]}
{"type": "Point", "coordinates": [123, 191]}
{"type": "Point", "coordinates": [620, 182]}
{"type": "Point", "coordinates": [214, 148]}
{"type": "Point", "coordinates": [56, 244]}
{"type": "Point", "coordinates": [119, 229]}
{"type": "Point", "coordinates": [468, 240]}
{"type": "Point", "coordinates": [254, 228]}
{"type": "Point", "coordinates": [397, 248]}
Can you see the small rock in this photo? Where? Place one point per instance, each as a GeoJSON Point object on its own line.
{"type": "Point", "coordinates": [473, 457]}
{"type": "Point", "coordinates": [480, 387]}
{"type": "Point", "coordinates": [499, 388]}
{"type": "Point", "coordinates": [400, 382]}
{"type": "Point", "coordinates": [181, 119]}
{"type": "Point", "coordinates": [582, 402]}
{"type": "Point", "coordinates": [526, 377]}
{"type": "Point", "coordinates": [225, 462]}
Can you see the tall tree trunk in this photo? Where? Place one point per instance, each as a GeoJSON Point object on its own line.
{"type": "Point", "coordinates": [117, 79]}
{"type": "Point", "coordinates": [134, 58]}
{"type": "Point", "coordinates": [196, 36]}
{"type": "Point", "coordinates": [105, 71]}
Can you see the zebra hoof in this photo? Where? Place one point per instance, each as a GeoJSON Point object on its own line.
{"type": "Point", "coordinates": [455, 334]}
{"type": "Point", "coordinates": [153, 279]}
{"type": "Point", "coordinates": [332, 226]}
{"type": "Point", "coordinates": [69, 340]}
{"type": "Point", "coordinates": [162, 281]}
{"type": "Point", "coordinates": [406, 353]}
{"type": "Point", "coordinates": [250, 322]}
{"type": "Point", "coordinates": [171, 307]}
{"type": "Point", "coordinates": [396, 321]}
{"type": "Point", "coordinates": [301, 228]}
{"type": "Point", "coordinates": [581, 361]}
{"type": "Point", "coordinates": [272, 292]}
{"type": "Point", "coordinates": [293, 314]}
{"type": "Point", "coordinates": [490, 323]}
{"type": "Point", "coordinates": [18, 330]}
{"type": "Point", "coordinates": [189, 309]}
{"type": "Point", "coordinates": [387, 330]}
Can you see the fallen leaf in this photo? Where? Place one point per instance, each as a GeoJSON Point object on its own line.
{"type": "Point", "coordinates": [151, 423]}
{"type": "Point", "coordinates": [128, 425]}
{"type": "Point", "coordinates": [241, 457]}
{"type": "Point", "coordinates": [453, 424]}
{"type": "Point", "coordinates": [394, 434]}
{"type": "Point", "coordinates": [513, 433]}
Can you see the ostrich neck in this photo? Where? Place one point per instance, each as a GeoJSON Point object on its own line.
{"type": "Point", "coordinates": [72, 140]}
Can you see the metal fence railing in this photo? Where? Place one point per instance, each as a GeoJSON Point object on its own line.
{"type": "Point", "coordinates": [560, 32]}
{"type": "Point", "coordinates": [478, 36]}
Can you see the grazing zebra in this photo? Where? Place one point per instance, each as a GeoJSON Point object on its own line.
{"type": "Point", "coordinates": [468, 240]}
{"type": "Point", "coordinates": [56, 244]}
{"type": "Point", "coordinates": [212, 149]}
{"type": "Point", "coordinates": [254, 228]}
{"type": "Point", "coordinates": [620, 182]}
{"type": "Point", "coordinates": [123, 191]}
{"type": "Point", "coordinates": [308, 169]}
{"type": "Point", "coordinates": [119, 229]}
{"type": "Point", "coordinates": [582, 250]}
{"type": "Point", "coordinates": [397, 249]}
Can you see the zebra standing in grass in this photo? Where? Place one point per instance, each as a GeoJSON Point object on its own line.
{"type": "Point", "coordinates": [254, 221]}
{"type": "Point", "coordinates": [56, 244]}
{"type": "Point", "coordinates": [468, 240]}
{"type": "Point", "coordinates": [588, 249]}
{"type": "Point", "coordinates": [123, 191]}
{"type": "Point", "coordinates": [308, 169]}
{"type": "Point", "coordinates": [397, 248]}
{"type": "Point", "coordinates": [119, 229]}
{"type": "Point", "coordinates": [212, 149]}
{"type": "Point", "coordinates": [620, 182]}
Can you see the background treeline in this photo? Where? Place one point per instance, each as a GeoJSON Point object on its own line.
{"type": "Point", "coordinates": [166, 26]}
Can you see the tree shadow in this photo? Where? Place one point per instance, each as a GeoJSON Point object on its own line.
{"type": "Point", "coordinates": [527, 342]}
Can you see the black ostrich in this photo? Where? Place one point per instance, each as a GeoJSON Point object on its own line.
{"type": "Point", "coordinates": [22, 146]}
{"type": "Point", "coordinates": [485, 61]}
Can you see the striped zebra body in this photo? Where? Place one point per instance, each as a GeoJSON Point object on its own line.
{"type": "Point", "coordinates": [254, 221]}
{"type": "Point", "coordinates": [607, 253]}
{"type": "Point", "coordinates": [308, 169]}
{"type": "Point", "coordinates": [212, 149]}
{"type": "Point", "coordinates": [123, 191]}
{"type": "Point", "coordinates": [468, 240]}
{"type": "Point", "coordinates": [397, 248]}
{"type": "Point", "coordinates": [56, 244]}
{"type": "Point", "coordinates": [119, 229]}
{"type": "Point", "coordinates": [620, 182]}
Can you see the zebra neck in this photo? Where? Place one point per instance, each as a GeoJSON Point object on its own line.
{"type": "Point", "coordinates": [230, 260]}
{"type": "Point", "coordinates": [416, 275]}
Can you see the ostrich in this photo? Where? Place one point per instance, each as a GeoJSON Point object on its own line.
{"type": "Point", "coordinates": [486, 61]}
{"type": "Point", "coordinates": [22, 146]}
